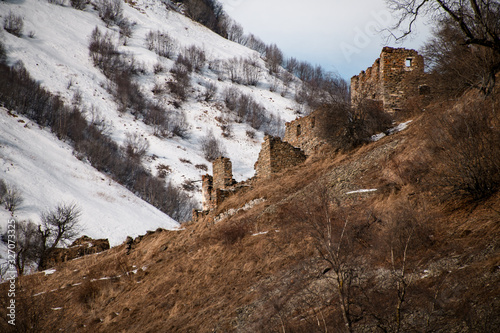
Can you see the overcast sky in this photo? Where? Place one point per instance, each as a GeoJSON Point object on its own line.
{"type": "Point", "coordinates": [340, 35]}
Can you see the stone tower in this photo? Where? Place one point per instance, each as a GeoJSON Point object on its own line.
{"type": "Point", "coordinates": [395, 75]}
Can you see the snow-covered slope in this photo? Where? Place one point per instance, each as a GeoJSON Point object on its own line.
{"type": "Point", "coordinates": [47, 173]}
{"type": "Point", "coordinates": [54, 49]}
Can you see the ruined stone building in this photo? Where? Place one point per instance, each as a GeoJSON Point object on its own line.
{"type": "Point", "coordinates": [397, 74]}
{"type": "Point", "coordinates": [276, 155]}
{"type": "Point", "coordinates": [215, 189]}
{"type": "Point", "coordinates": [304, 133]}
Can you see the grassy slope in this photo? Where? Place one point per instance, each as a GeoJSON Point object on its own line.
{"type": "Point", "coordinates": [257, 270]}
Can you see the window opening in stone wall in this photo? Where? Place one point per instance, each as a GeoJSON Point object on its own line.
{"type": "Point", "coordinates": [313, 122]}
{"type": "Point", "coordinates": [408, 62]}
{"type": "Point", "coordinates": [299, 131]}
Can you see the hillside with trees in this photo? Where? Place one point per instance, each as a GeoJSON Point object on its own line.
{"type": "Point", "coordinates": [397, 232]}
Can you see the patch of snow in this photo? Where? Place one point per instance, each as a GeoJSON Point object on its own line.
{"type": "Point", "coordinates": [260, 233]}
{"type": "Point", "coordinates": [49, 271]}
{"type": "Point", "coordinates": [232, 211]}
{"type": "Point", "coordinates": [362, 191]}
{"type": "Point", "coordinates": [400, 127]}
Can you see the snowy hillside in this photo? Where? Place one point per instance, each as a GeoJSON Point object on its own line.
{"type": "Point", "coordinates": [54, 48]}
{"type": "Point", "coordinates": [46, 173]}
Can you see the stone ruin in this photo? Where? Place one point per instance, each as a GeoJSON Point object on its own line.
{"type": "Point", "coordinates": [397, 74]}
{"type": "Point", "coordinates": [275, 156]}
{"type": "Point", "coordinates": [304, 133]}
{"type": "Point", "coordinates": [81, 247]}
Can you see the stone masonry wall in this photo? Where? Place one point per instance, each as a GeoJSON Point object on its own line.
{"type": "Point", "coordinates": [215, 189]}
{"type": "Point", "coordinates": [275, 156]}
{"type": "Point", "coordinates": [223, 173]}
{"type": "Point", "coordinates": [303, 133]}
{"type": "Point", "coordinates": [395, 75]}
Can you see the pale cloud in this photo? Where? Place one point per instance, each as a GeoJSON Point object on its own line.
{"type": "Point", "coordinates": [340, 35]}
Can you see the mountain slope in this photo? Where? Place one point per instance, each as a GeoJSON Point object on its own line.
{"type": "Point", "coordinates": [47, 173]}
{"type": "Point", "coordinates": [54, 48]}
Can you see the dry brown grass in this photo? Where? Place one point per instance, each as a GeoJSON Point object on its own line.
{"type": "Point", "coordinates": [258, 270]}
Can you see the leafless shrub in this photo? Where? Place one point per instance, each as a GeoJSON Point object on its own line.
{"type": "Point", "coordinates": [125, 26]}
{"type": "Point", "coordinates": [274, 85]}
{"type": "Point", "coordinates": [14, 24]}
{"type": "Point", "coordinates": [212, 147]}
{"type": "Point", "coordinates": [185, 161]}
{"type": "Point", "coordinates": [78, 4]}
{"type": "Point", "coordinates": [468, 143]}
{"type": "Point", "coordinates": [274, 58]}
{"type": "Point", "coordinates": [12, 198]}
{"type": "Point", "coordinates": [188, 185]}
{"type": "Point", "coordinates": [102, 50]}
{"type": "Point", "coordinates": [251, 72]}
{"type": "Point", "coordinates": [210, 92]}
{"type": "Point", "coordinates": [3, 190]}
{"type": "Point", "coordinates": [347, 127]}
{"type": "Point", "coordinates": [3, 53]}
{"type": "Point", "coordinates": [256, 44]}
{"type": "Point", "coordinates": [235, 32]}
{"type": "Point", "coordinates": [181, 78]}
{"type": "Point", "coordinates": [332, 232]}
{"type": "Point", "coordinates": [158, 68]}
{"type": "Point", "coordinates": [201, 167]}
{"type": "Point", "coordinates": [196, 57]}
{"type": "Point", "coordinates": [28, 245]}
{"type": "Point", "coordinates": [163, 170]}
{"type": "Point", "coordinates": [178, 125]}
{"type": "Point", "coordinates": [230, 96]}
{"type": "Point", "coordinates": [135, 146]}
{"type": "Point", "coordinates": [110, 11]}
{"type": "Point", "coordinates": [161, 43]}
{"type": "Point", "coordinates": [156, 116]}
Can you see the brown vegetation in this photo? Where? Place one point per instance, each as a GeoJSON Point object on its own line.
{"type": "Point", "coordinates": [309, 258]}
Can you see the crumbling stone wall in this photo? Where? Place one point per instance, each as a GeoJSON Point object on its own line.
{"type": "Point", "coordinates": [223, 173]}
{"type": "Point", "coordinates": [79, 248]}
{"type": "Point", "coordinates": [217, 188]}
{"type": "Point", "coordinates": [396, 74]}
{"type": "Point", "coordinates": [304, 133]}
{"type": "Point", "coordinates": [276, 155]}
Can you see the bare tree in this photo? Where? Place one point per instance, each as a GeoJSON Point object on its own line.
{"type": "Point", "coordinates": [274, 58]}
{"type": "Point", "coordinates": [135, 146]}
{"type": "Point", "coordinates": [110, 11]}
{"type": "Point", "coordinates": [12, 198]}
{"type": "Point", "coordinates": [476, 19]}
{"type": "Point", "coordinates": [454, 65]}
{"type": "Point", "coordinates": [14, 24]}
{"type": "Point", "coordinates": [212, 147]}
{"type": "Point", "coordinates": [28, 245]}
{"type": "Point", "coordinates": [3, 190]}
{"type": "Point", "coordinates": [329, 229]}
{"type": "Point", "coordinates": [58, 226]}
{"type": "Point", "coordinates": [210, 92]}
